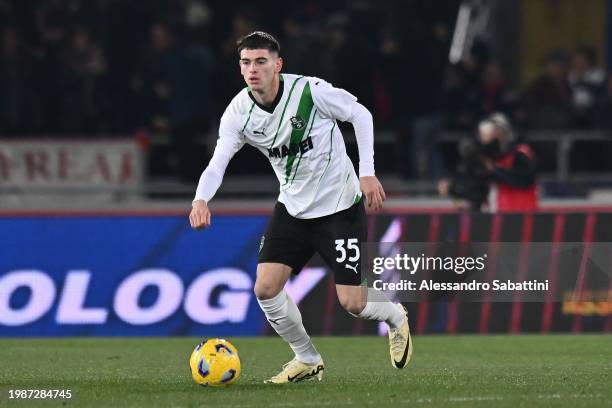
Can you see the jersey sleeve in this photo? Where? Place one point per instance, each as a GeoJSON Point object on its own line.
{"type": "Point", "coordinates": [331, 102]}
{"type": "Point", "coordinates": [230, 141]}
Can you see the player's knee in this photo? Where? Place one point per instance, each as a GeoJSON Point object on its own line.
{"type": "Point", "coordinates": [265, 290]}
{"type": "Point", "coordinates": [353, 306]}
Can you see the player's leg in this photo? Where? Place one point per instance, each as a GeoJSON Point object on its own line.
{"type": "Point", "coordinates": [284, 251]}
{"type": "Point", "coordinates": [339, 242]}
{"type": "Point", "coordinates": [371, 304]}
{"type": "Point", "coordinates": [282, 312]}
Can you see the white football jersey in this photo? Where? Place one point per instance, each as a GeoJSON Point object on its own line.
{"type": "Point", "coordinates": [302, 140]}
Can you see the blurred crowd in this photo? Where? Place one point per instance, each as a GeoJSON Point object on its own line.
{"type": "Point", "coordinates": [571, 91]}
{"type": "Point", "coordinates": [91, 67]}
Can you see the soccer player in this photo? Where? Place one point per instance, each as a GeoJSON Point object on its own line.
{"type": "Point", "coordinates": [292, 120]}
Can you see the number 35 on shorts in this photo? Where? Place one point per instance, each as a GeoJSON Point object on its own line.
{"type": "Point", "coordinates": [347, 247]}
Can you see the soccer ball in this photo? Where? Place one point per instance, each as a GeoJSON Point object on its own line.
{"type": "Point", "coordinates": [215, 363]}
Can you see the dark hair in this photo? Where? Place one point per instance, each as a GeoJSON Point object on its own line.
{"type": "Point", "coordinates": [258, 40]}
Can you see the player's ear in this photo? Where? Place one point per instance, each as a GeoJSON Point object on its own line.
{"type": "Point", "coordinates": [279, 64]}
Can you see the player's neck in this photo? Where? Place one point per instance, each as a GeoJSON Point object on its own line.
{"type": "Point", "coordinates": [267, 96]}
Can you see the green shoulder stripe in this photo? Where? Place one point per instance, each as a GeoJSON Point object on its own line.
{"type": "Point", "coordinates": [299, 123]}
{"type": "Point", "coordinates": [297, 166]}
{"type": "Point", "coordinates": [280, 122]}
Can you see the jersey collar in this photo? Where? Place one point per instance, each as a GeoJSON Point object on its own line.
{"type": "Point", "coordinates": [279, 95]}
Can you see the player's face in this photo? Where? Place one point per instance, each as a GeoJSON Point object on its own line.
{"type": "Point", "coordinates": [258, 68]}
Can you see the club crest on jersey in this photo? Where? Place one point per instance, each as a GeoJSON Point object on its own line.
{"type": "Point", "coordinates": [297, 122]}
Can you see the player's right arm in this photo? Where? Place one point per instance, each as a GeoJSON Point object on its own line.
{"type": "Point", "coordinates": [229, 142]}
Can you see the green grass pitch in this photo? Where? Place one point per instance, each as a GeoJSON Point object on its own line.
{"type": "Point", "coordinates": [500, 371]}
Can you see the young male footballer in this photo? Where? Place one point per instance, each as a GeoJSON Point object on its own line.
{"type": "Point", "coordinates": [292, 120]}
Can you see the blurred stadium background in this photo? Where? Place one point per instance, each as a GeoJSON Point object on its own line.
{"type": "Point", "coordinates": [108, 114]}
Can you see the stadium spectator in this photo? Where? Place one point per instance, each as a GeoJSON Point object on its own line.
{"type": "Point", "coordinates": [74, 66]}
{"type": "Point", "coordinates": [469, 184]}
{"type": "Point", "coordinates": [508, 164]}
{"type": "Point", "coordinates": [197, 18]}
{"type": "Point", "coordinates": [413, 82]}
{"type": "Point", "coordinates": [459, 98]}
{"type": "Point", "coordinates": [52, 22]}
{"type": "Point", "coordinates": [299, 45]}
{"type": "Point", "coordinates": [495, 95]}
{"type": "Point", "coordinates": [472, 89]}
{"type": "Point", "coordinates": [84, 100]}
{"type": "Point", "coordinates": [178, 79]}
{"type": "Point", "coordinates": [547, 99]}
{"type": "Point", "coordinates": [390, 95]}
{"type": "Point", "coordinates": [586, 81]}
{"type": "Point", "coordinates": [244, 21]}
{"type": "Point", "coordinates": [603, 116]}
{"type": "Point", "coordinates": [343, 59]}
{"type": "Point", "coordinates": [458, 109]}
{"type": "Point", "coordinates": [603, 121]}
{"type": "Point", "coordinates": [15, 92]}
{"type": "Point", "coordinates": [511, 165]}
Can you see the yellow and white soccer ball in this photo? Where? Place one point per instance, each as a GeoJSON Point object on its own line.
{"type": "Point", "coordinates": [215, 363]}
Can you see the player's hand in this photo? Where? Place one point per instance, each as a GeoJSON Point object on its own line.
{"type": "Point", "coordinates": [373, 190]}
{"type": "Point", "coordinates": [200, 215]}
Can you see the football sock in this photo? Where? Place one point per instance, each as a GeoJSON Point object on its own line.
{"type": "Point", "coordinates": [284, 316]}
{"type": "Point", "coordinates": [380, 308]}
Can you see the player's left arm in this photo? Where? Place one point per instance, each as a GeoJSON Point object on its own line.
{"type": "Point", "coordinates": [363, 123]}
{"type": "Point", "coordinates": [341, 105]}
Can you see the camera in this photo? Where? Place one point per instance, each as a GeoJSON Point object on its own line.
{"type": "Point", "coordinates": [471, 179]}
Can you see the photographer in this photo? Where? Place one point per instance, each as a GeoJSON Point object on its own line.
{"type": "Point", "coordinates": [470, 182]}
{"type": "Point", "coordinates": [496, 172]}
